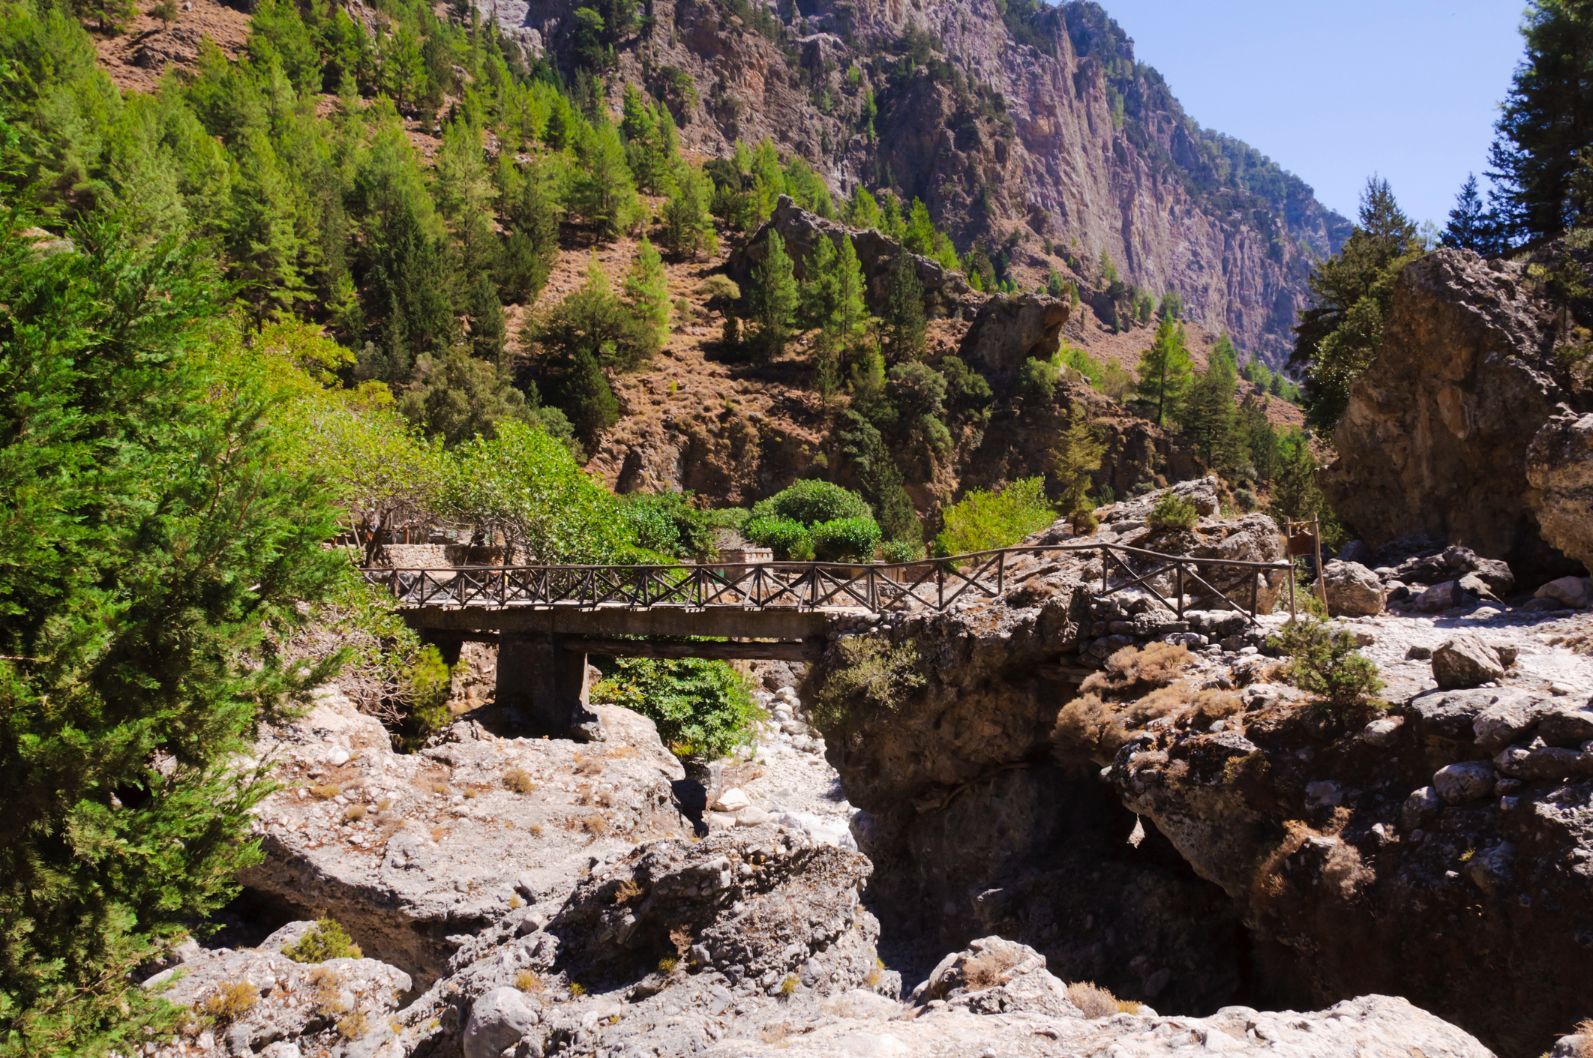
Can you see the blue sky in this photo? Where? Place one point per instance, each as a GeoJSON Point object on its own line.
{"type": "Point", "coordinates": [1335, 90]}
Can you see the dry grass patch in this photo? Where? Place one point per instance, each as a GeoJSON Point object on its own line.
{"type": "Point", "coordinates": [627, 892]}
{"type": "Point", "coordinates": [325, 791]}
{"type": "Point", "coordinates": [230, 1001]}
{"type": "Point", "coordinates": [519, 780]}
{"type": "Point", "coordinates": [353, 1025]}
{"type": "Point", "coordinates": [1153, 665]}
{"type": "Point", "coordinates": [1092, 727]}
{"type": "Point", "coordinates": [987, 969]}
{"type": "Point", "coordinates": [353, 813]}
{"type": "Point", "coordinates": [530, 982]}
{"type": "Point", "coordinates": [1098, 1002]}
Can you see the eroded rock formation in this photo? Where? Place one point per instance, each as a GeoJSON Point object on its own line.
{"type": "Point", "coordinates": [1441, 428]}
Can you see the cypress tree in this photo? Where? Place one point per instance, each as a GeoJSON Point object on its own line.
{"type": "Point", "coordinates": [1340, 332]}
{"type": "Point", "coordinates": [904, 309]}
{"type": "Point", "coordinates": [774, 299]}
{"type": "Point", "coordinates": [156, 532]}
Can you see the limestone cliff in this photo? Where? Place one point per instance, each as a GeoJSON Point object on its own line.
{"type": "Point", "coordinates": [1036, 136]}
{"type": "Point", "coordinates": [1437, 435]}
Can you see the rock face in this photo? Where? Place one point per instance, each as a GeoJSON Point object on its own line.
{"type": "Point", "coordinates": [1457, 840]}
{"type": "Point", "coordinates": [1437, 435]}
{"type": "Point", "coordinates": [1560, 470]}
{"type": "Point", "coordinates": [946, 293]}
{"type": "Point", "coordinates": [973, 829]}
{"type": "Point", "coordinates": [1042, 126]}
{"type": "Point", "coordinates": [410, 850]}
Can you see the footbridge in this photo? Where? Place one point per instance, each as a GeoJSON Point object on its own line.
{"type": "Point", "coordinates": [547, 619]}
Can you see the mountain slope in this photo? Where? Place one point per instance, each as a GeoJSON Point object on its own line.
{"type": "Point", "coordinates": [1032, 133]}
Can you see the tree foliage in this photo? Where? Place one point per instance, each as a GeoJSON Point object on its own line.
{"type": "Point", "coordinates": [1339, 334]}
{"type": "Point", "coordinates": [155, 537]}
{"type": "Point", "coordinates": [1164, 371]}
{"type": "Point", "coordinates": [1545, 128]}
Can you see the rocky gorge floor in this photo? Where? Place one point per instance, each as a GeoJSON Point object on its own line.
{"type": "Point", "coordinates": [960, 874]}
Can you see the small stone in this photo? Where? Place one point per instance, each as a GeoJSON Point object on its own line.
{"type": "Point", "coordinates": [1574, 593]}
{"type": "Point", "coordinates": [337, 756]}
{"type": "Point", "coordinates": [1464, 782]}
{"type": "Point", "coordinates": [1383, 732]}
{"type": "Point", "coordinates": [1417, 652]}
{"type": "Point", "coordinates": [733, 800]}
{"type": "Point", "coordinates": [1421, 806]}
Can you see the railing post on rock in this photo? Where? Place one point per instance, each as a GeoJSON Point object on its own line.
{"type": "Point", "coordinates": [542, 687]}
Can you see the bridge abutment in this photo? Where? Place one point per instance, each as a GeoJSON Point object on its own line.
{"type": "Point", "coordinates": [543, 684]}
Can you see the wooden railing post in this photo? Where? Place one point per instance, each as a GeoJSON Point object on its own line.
{"type": "Point", "coordinates": [1001, 572]}
{"type": "Point", "coordinates": [1178, 586]}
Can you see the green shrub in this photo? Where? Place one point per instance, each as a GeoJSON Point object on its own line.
{"type": "Point", "coordinates": [702, 708]}
{"type": "Point", "coordinates": [429, 685]}
{"type": "Point", "coordinates": [846, 540]}
{"type": "Point", "coordinates": [327, 940]}
{"type": "Point", "coordinates": [1037, 379]}
{"type": "Point", "coordinates": [900, 551]}
{"type": "Point", "coordinates": [667, 524]}
{"type": "Point", "coordinates": [811, 502]}
{"type": "Point", "coordinates": [869, 677]}
{"type": "Point", "coordinates": [789, 540]}
{"type": "Point", "coordinates": [985, 520]}
{"type": "Point", "coordinates": [1324, 662]}
{"type": "Point", "coordinates": [1173, 512]}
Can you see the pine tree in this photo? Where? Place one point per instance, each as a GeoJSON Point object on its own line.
{"type": "Point", "coordinates": [1547, 121]}
{"type": "Point", "coordinates": [601, 188]}
{"type": "Point", "coordinates": [647, 298]}
{"type": "Point", "coordinates": [774, 299]}
{"type": "Point", "coordinates": [863, 211]}
{"type": "Point", "coordinates": [1472, 226]}
{"type": "Point", "coordinates": [819, 293]}
{"type": "Point", "coordinates": [920, 233]}
{"type": "Point", "coordinates": [532, 213]}
{"type": "Point", "coordinates": [583, 391]}
{"type": "Point", "coordinates": [1340, 332]}
{"type": "Point", "coordinates": [904, 309]}
{"type": "Point", "coordinates": [1075, 459]}
{"type": "Point", "coordinates": [1164, 371]}
{"type": "Point", "coordinates": [848, 314]}
{"type": "Point", "coordinates": [262, 244]}
{"type": "Point", "coordinates": [651, 142]}
{"type": "Point", "coordinates": [1210, 417]}
{"type": "Point", "coordinates": [688, 229]}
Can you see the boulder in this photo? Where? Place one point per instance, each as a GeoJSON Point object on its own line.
{"type": "Point", "coordinates": [498, 1021]}
{"type": "Point", "coordinates": [1352, 590]}
{"type": "Point", "coordinates": [1560, 470]}
{"type": "Point", "coordinates": [1465, 661]}
{"type": "Point", "coordinates": [258, 996]}
{"type": "Point", "coordinates": [1448, 595]}
{"type": "Point", "coordinates": [1436, 433]}
{"type": "Point", "coordinates": [1574, 593]}
{"type": "Point", "coordinates": [994, 975]}
{"type": "Point", "coordinates": [1011, 328]}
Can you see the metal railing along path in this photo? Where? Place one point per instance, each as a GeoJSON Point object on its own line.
{"type": "Point", "coordinates": [890, 587]}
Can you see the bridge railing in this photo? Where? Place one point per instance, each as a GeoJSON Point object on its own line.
{"type": "Point", "coordinates": [876, 587]}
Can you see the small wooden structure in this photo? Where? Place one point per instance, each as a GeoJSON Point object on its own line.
{"type": "Point", "coordinates": [1305, 540]}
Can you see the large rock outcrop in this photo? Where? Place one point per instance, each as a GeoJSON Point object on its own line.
{"type": "Point", "coordinates": [1441, 435]}
{"type": "Point", "coordinates": [411, 851]}
{"type": "Point", "coordinates": [1436, 434]}
{"type": "Point", "coordinates": [1415, 852]}
{"type": "Point", "coordinates": [974, 829]}
{"type": "Point", "coordinates": [1560, 471]}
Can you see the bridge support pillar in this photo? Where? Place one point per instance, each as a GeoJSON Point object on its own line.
{"type": "Point", "coordinates": [543, 685]}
